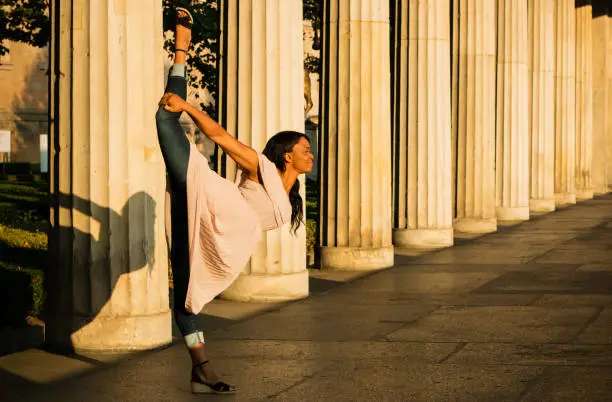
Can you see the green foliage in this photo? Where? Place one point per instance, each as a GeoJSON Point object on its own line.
{"type": "Point", "coordinates": [311, 235]}
{"type": "Point", "coordinates": [312, 12]}
{"type": "Point", "coordinates": [24, 211]}
{"type": "Point", "coordinates": [24, 21]}
{"type": "Point", "coordinates": [312, 214]}
{"type": "Point", "coordinates": [26, 294]}
{"type": "Point", "coordinates": [312, 64]}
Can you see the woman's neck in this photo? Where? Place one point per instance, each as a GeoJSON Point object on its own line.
{"type": "Point", "coordinates": [289, 177]}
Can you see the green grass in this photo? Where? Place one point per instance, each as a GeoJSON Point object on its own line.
{"type": "Point", "coordinates": [24, 211]}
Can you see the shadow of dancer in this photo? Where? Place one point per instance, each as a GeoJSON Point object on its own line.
{"type": "Point", "coordinates": [96, 260]}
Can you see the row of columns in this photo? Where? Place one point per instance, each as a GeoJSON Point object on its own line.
{"type": "Point", "coordinates": [486, 114]}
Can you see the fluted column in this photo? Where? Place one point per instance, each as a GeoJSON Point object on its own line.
{"type": "Point", "coordinates": [512, 112]}
{"type": "Point", "coordinates": [601, 108]}
{"type": "Point", "coordinates": [474, 115]}
{"type": "Point", "coordinates": [541, 34]}
{"type": "Point", "coordinates": [609, 113]}
{"type": "Point", "coordinates": [422, 124]}
{"type": "Point", "coordinates": [355, 215]}
{"type": "Point", "coordinates": [584, 100]}
{"type": "Point", "coordinates": [107, 282]}
{"type": "Point", "coordinates": [565, 103]}
{"type": "Point", "coordinates": [261, 94]}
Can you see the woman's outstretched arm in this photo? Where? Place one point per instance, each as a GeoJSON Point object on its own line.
{"type": "Point", "coordinates": [244, 155]}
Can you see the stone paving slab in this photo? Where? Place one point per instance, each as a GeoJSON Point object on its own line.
{"type": "Point", "coordinates": [575, 384]}
{"type": "Point", "coordinates": [498, 268]}
{"type": "Point", "coordinates": [533, 354]}
{"type": "Point", "coordinates": [594, 282]}
{"type": "Point", "coordinates": [520, 315]}
{"type": "Point", "coordinates": [563, 300]}
{"type": "Point", "coordinates": [332, 351]}
{"type": "Point", "coordinates": [346, 323]}
{"type": "Point", "coordinates": [409, 281]}
{"type": "Point", "coordinates": [519, 324]}
{"type": "Point", "coordinates": [403, 381]}
{"type": "Point", "coordinates": [599, 331]}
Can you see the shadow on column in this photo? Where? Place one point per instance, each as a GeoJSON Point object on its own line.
{"type": "Point", "coordinates": [79, 283]}
{"type": "Point", "coordinates": [601, 8]}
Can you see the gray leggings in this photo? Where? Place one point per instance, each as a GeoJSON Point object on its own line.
{"type": "Point", "coordinates": [175, 150]}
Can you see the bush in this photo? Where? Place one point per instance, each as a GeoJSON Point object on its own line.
{"type": "Point", "coordinates": [24, 212]}
{"type": "Point", "coordinates": [19, 168]}
{"type": "Point", "coordinates": [22, 290]}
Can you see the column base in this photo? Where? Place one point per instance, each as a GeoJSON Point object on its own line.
{"type": "Point", "coordinates": [110, 334]}
{"type": "Point", "coordinates": [564, 199]}
{"type": "Point", "coordinates": [512, 214]}
{"type": "Point", "coordinates": [423, 238]}
{"type": "Point", "coordinates": [474, 225]}
{"type": "Point", "coordinates": [541, 205]}
{"type": "Point", "coordinates": [268, 287]}
{"type": "Point", "coordinates": [356, 258]}
{"type": "Point", "coordinates": [584, 194]}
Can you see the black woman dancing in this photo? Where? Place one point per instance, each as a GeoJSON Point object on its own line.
{"type": "Point", "coordinates": [213, 225]}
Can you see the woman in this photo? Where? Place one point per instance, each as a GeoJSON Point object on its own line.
{"type": "Point", "coordinates": [215, 224]}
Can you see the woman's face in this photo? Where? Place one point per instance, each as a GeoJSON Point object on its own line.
{"type": "Point", "coordinates": [301, 158]}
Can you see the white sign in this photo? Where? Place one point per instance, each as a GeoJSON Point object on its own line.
{"type": "Point", "coordinates": [44, 153]}
{"type": "Point", "coordinates": [5, 141]}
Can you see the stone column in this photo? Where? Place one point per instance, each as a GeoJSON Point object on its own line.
{"type": "Point", "coordinates": [355, 217]}
{"type": "Point", "coordinates": [107, 281]}
{"type": "Point", "coordinates": [541, 34]}
{"type": "Point", "coordinates": [609, 113]}
{"type": "Point", "coordinates": [422, 124]}
{"type": "Point", "coordinates": [565, 103]}
{"type": "Point", "coordinates": [601, 108]}
{"type": "Point", "coordinates": [584, 100]}
{"type": "Point", "coordinates": [512, 112]}
{"type": "Point", "coordinates": [262, 93]}
{"type": "Point", "coordinates": [474, 115]}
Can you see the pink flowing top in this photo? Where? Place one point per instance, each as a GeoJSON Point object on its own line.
{"type": "Point", "coordinates": [225, 222]}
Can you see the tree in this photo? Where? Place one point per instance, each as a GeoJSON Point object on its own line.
{"type": "Point", "coordinates": [25, 21]}
{"type": "Point", "coordinates": [312, 12]}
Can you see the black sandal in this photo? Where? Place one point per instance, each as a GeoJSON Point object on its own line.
{"type": "Point", "coordinates": [186, 21]}
{"type": "Point", "coordinates": [199, 387]}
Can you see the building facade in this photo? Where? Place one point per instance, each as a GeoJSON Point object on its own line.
{"type": "Point", "coordinates": [24, 101]}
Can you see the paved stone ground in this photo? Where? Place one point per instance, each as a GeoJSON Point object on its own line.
{"type": "Point", "coordinates": [524, 314]}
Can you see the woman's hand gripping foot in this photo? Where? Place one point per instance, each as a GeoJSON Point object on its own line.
{"type": "Point", "coordinates": [172, 103]}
